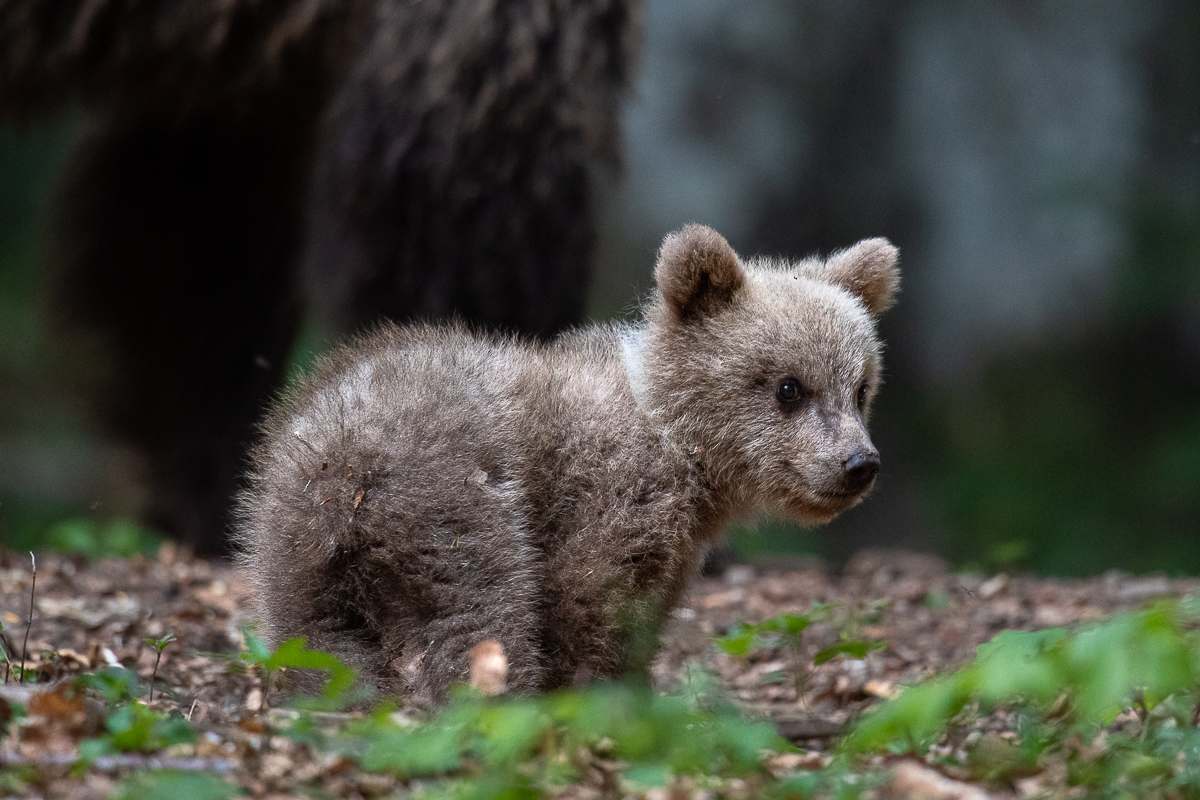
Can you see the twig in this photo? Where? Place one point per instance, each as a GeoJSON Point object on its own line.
{"type": "Point", "coordinates": [25, 644]}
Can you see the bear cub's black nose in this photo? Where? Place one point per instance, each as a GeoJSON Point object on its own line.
{"type": "Point", "coordinates": [861, 469]}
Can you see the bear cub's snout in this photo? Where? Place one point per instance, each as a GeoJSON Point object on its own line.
{"type": "Point", "coordinates": [861, 469]}
{"type": "Point", "coordinates": [429, 488]}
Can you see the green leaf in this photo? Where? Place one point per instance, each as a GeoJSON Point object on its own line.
{"type": "Point", "coordinates": [99, 539]}
{"type": "Point", "coordinates": [802, 784]}
{"type": "Point", "coordinates": [656, 774]}
{"type": "Point", "coordinates": [913, 717]}
{"type": "Point", "coordinates": [167, 784]}
{"type": "Point", "coordinates": [786, 624]}
{"type": "Point", "coordinates": [91, 749]}
{"type": "Point", "coordinates": [114, 684]}
{"type": "Point", "coordinates": [258, 653]}
{"type": "Point", "coordinates": [428, 750]}
{"type": "Point", "coordinates": [937, 601]}
{"type": "Point", "coordinates": [511, 730]}
{"type": "Point", "coordinates": [853, 648]}
{"type": "Point", "coordinates": [135, 728]}
{"type": "Point", "coordinates": [1019, 663]}
{"type": "Point", "coordinates": [744, 742]}
{"type": "Point", "coordinates": [294, 654]}
{"type": "Point", "coordinates": [172, 730]}
{"type": "Point", "coordinates": [794, 624]}
{"type": "Point", "coordinates": [1102, 668]}
{"type": "Point", "coordinates": [160, 644]}
{"type": "Point", "coordinates": [737, 645]}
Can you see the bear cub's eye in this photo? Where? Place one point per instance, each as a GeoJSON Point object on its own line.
{"type": "Point", "coordinates": [790, 390]}
{"type": "Point", "coordinates": [862, 394]}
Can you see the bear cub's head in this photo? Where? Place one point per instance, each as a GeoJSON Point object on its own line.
{"type": "Point", "coordinates": [764, 371]}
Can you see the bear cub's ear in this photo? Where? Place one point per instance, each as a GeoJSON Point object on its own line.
{"type": "Point", "coordinates": [868, 270]}
{"type": "Point", "coordinates": [697, 271]}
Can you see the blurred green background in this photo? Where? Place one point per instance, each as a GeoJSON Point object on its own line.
{"type": "Point", "coordinates": [1038, 164]}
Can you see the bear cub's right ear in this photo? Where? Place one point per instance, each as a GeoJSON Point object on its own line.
{"type": "Point", "coordinates": [868, 270]}
{"type": "Point", "coordinates": [697, 271]}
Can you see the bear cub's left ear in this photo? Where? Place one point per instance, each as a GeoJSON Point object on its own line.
{"type": "Point", "coordinates": [867, 270]}
{"type": "Point", "coordinates": [697, 272]}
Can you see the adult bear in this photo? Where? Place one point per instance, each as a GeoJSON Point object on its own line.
{"type": "Point", "coordinates": [373, 158]}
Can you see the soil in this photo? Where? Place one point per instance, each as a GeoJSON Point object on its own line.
{"type": "Point", "coordinates": [89, 615]}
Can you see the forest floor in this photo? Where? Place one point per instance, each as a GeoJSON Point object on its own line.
{"type": "Point", "coordinates": [91, 615]}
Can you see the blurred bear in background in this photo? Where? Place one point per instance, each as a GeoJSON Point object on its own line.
{"type": "Point", "coordinates": [246, 160]}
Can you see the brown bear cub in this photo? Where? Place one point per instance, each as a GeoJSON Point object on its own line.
{"type": "Point", "coordinates": [428, 488]}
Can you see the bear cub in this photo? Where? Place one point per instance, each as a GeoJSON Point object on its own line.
{"type": "Point", "coordinates": [428, 488]}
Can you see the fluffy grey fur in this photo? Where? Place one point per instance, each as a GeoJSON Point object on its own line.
{"type": "Point", "coordinates": [428, 488]}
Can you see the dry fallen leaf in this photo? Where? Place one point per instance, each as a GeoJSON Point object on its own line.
{"type": "Point", "coordinates": [61, 703]}
{"type": "Point", "coordinates": [885, 689]}
{"type": "Point", "coordinates": [912, 780]}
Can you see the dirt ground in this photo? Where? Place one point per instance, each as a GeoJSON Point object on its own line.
{"type": "Point", "coordinates": [89, 615]}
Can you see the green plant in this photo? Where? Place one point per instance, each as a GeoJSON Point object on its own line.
{"type": "Point", "coordinates": [130, 726]}
{"type": "Point", "coordinates": [1100, 670]}
{"type": "Point", "coordinates": [115, 685]}
{"type": "Point", "coordinates": [96, 540]}
{"type": "Point", "coordinates": [169, 784]}
{"type": "Point", "coordinates": [1106, 710]}
{"type": "Point", "coordinates": [524, 746]}
{"type": "Point", "coordinates": [294, 654]}
{"type": "Point", "coordinates": [133, 727]}
{"type": "Point", "coordinates": [787, 631]}
{"type": "Point", "coordinates": [159, 645]}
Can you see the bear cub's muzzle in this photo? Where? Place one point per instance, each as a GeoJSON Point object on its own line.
{"type": "Point", "coordinates": [860, 471]}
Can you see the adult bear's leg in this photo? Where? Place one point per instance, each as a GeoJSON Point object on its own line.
{"type": "Point", "coordinates": [179, 251]}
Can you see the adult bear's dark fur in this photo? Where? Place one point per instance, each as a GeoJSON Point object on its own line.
{"type": "Point", "coordinates": [392, 157]}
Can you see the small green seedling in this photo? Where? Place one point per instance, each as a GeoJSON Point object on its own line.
{"type": "Point", "coordinates": [294, 654]}
{"type": "Point", "coordinates": [855, 648]}
{"type": "Point", "coordinates": [159, 645]}
{"type": "Point", "coordinates": [169, 784]}
{"type": "Point", "coordinates": [526, 746]}
{"type": "Point", "coordinates": [1131, 660]}
{"type": "Point", "coordinates": [787, 631]}
{"type": "Point", "coordinates": [130, 726]}
{"type": "Point", "coordinates": [784, 630]}
{"type": "Point", "coordinates": [134, 728]}
{"type": "Point", "coordinates": [116, 685]}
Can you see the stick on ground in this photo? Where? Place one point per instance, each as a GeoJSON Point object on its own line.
{"type": "Point", "coordinates": [25, 644]}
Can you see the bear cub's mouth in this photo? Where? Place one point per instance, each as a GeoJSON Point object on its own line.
{"type": "Point", "coordinates": [845, 496]}
{"type": "Point", "coordinates": [841, 499]}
